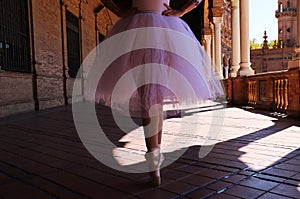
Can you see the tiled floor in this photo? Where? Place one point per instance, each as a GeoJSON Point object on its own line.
{"type": "Point", "coordinates": [250, 155]}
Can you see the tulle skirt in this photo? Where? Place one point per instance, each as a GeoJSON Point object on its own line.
{"type": "Point", "coordinates": [148, 63]}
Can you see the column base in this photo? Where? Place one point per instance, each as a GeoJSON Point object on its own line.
{"type": "Point", "coordinates": [234, 70]}
{"type": "Point", "coordinates": [220, 74]}
{"type": "Point", "coordinates": [245, 72]}
{"type": "Point", "coordinates": [245, 69]}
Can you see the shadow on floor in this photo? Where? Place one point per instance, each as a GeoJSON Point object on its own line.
{"type": "Point", "coordinates": [42, 156]}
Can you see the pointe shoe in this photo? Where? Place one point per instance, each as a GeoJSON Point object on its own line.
{"type": "Point", "coordinates": [154, 159]}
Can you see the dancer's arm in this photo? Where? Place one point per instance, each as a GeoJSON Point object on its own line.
{"type": "Point", "coordinates": [190, 5]}
{"type": "Point", "coordinates": [117, 10]}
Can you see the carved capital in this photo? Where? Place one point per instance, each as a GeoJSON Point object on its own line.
{"type": "Point", "coordinates": [218, 22]}
{"type": "Point", "coordinates": [235, 3]}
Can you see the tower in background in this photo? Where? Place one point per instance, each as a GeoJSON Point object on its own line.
{"type": "Point", "coordinates": [277, 58]}
{"type": "Point", "coordinates": [287, 23]}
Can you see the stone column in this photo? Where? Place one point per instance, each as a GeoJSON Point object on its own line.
{"type": "Point", "coordinates": [64, 35]}
{"type": "Point", "coordinates": [225, 66]}
{"type": "Point", "coordinates": [218, 46]}
{"type": "Point", "coordinates": [235, 28]}
{"type": "Point", "coordinates": [295, 63]}
{"type": "Point", "coordinates": [245, 65]}
{"type": "Point", "coordinates": [213, 56]}
{"type": "Point", "coordinates": [208, 45]}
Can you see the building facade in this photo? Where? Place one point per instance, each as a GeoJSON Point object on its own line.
{"type": "Point", "coordinates": [226, 38]}
{"type": "Point", "coordinates": [42, 44]}
{"type": "Point", "coordinates": [216, 34]}
{"type": "Point", "coordinates": [277, 58]}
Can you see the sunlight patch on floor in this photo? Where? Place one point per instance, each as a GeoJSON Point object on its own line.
{"type": "Point", "coordinates": [270, 149]}
{"type": "Point", "coordinates": [198, 127]}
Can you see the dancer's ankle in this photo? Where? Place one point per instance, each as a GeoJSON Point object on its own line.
{"type": "Point", "coordinates": [153, 149]}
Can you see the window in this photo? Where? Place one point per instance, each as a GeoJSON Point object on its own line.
{"type": "Point", "coordinates": [288, 30]}
{"type": "Point", "coordinates": [280, 7]}
{"type": "Point", "coordinates": [288, 4]}
{"type": "Point", "coordinates": [73, 44]}
{"type": "Point", "coordinates": [274, 58]}
{"type": "Point", "coordinates": [289, 43]}
{"type": "Point", "coordinates": [14, 36]}
{"type": "Point", "coordinates": [280, 43]}
{"type": "Point", "coordinates": [264, 68]}
{"type": "Point", "coordinates": [280, 31]}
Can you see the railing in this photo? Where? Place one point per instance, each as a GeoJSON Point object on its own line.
{"type": "Point", "coordinates": [252, 92]}
{"type": "Point", "coordinates": [281, 101]}
{"type": "Point", "coordinates": [286, 10]}
{"type": "Point", "coordinates": [275, 91]}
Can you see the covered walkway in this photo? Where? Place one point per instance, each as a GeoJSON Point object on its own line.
{"type": "Point", "coordinates": [256, 155]}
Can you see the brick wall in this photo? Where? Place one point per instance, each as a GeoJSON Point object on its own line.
{"type": "Point", "coordinates": [53, 85]}
{"type": "Point", "coordinates": [15, 93]}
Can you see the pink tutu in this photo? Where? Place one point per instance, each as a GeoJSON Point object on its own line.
{"type": "Point", "coordinates": [148, 59]}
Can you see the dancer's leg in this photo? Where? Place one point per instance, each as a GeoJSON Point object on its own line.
{"type": "Point", "coordinates": [151, 141]}
{"type": "Point", "coordinates": [152, 125]}
{"type": "Point", "coordinates": [160, 126]}
{"type": "Point", "coordinates": [153, 133]}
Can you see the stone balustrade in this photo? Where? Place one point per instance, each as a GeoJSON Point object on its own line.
{"type": "Point", "coordinates": [286, 10]}
{"type": "Point", "coordinates": [274, 91]}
